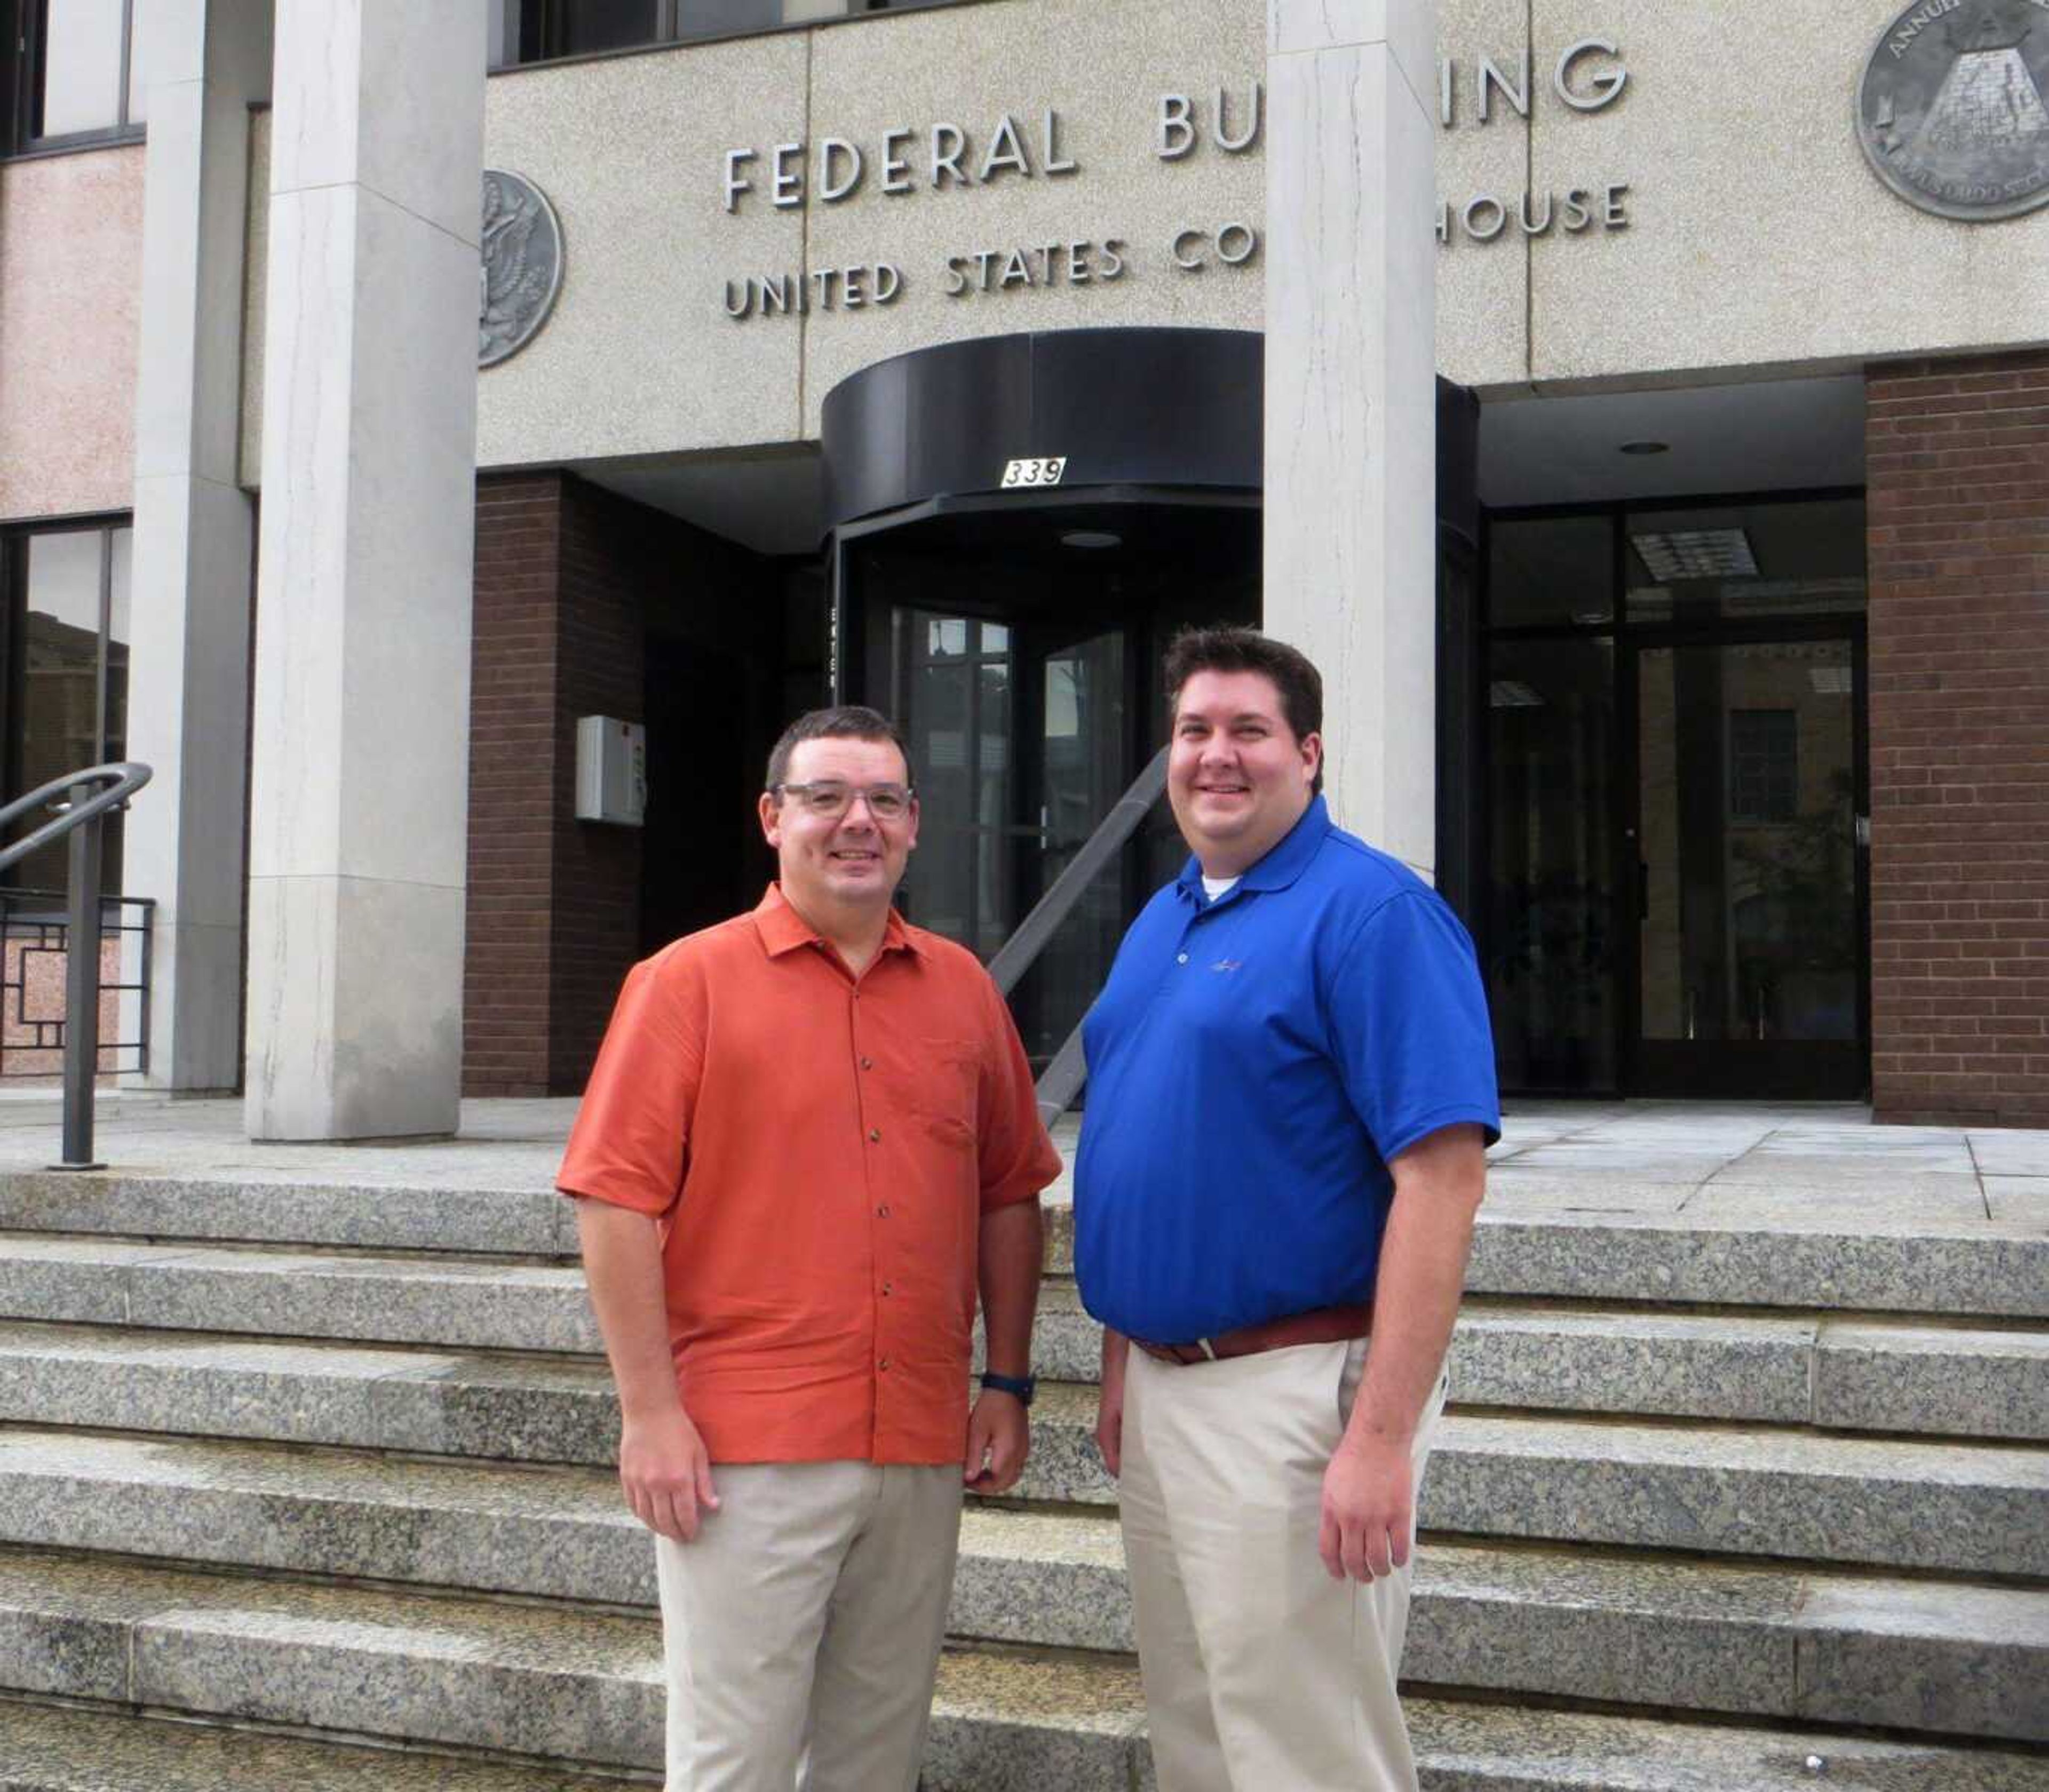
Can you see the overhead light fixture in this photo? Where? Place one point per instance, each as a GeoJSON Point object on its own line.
{"type": "Point", "coordinates": [1091, 538]}
{"type": "Point", "coordinates": [1669, 555]}
{"type": "Point", "coordinates": [1645, 448]}
{"type": "Point", "coordinates": [1513, 693]}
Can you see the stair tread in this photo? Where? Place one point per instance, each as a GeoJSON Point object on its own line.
{"type": "Point", "coordinates": [45, 1749]}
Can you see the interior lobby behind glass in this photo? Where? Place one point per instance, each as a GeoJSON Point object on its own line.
{"type": "Point", "coordinates": [1674, 779]}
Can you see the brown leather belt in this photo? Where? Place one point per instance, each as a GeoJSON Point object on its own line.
{"type": "Point", "coordinates": [1321, 1325]}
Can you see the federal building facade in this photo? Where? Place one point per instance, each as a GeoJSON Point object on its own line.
{"type": "Point", "coordinates": [914, 356]}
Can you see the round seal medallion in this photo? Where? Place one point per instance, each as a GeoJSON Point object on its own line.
{"type": "Point", "coordinates": [1952, 110]}
{"type": "Point", "coordinates": [521, 267]}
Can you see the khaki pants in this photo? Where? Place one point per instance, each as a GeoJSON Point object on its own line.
{"type": "Point", "coordinates": [801, 1628]}
{"type": "Point", "coordinates": [1262, 1672]}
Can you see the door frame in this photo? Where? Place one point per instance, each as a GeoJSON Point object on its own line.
{"type": "Point", "coordinates": [1800, 1070]}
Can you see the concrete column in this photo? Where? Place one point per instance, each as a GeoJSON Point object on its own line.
{"type": "Point", "coordinates": [1351, 552]}
{"type": "Point", "coordinates": [195, 531]}
{"type": "Point", "coordinates": [357, 837]}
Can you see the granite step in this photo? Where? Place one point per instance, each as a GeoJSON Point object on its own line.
{"type": "Point", "coordinates": [466, 1303]}
{"type": "Point", "coordinates": [1837, 1374]}
{"type": "Point", "coordinates": [569, 1685]}
{"type": "Point", "coordinates": [1751, 1641]}
{"type": "Point", "coordinates": [459, 1673]}
{"type": "Point", "coordinates": [1755, 1642]}
{"type": "Point", "coordinates": [1879, 1265]}
{"type": "Point", "coordinates": [562, 1408]}
{"type": "Point", "coordinates": [1971, 1509]}
{"type": "Point", "coordinates": [250, 1202]}
{"type": "Point", "coordinates": [61, 1748]}
{"type": "Point", "coordinates": [373, 1397]}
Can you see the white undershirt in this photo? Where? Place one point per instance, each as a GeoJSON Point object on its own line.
{"type": "Point", "coordinates": [1215, 887]}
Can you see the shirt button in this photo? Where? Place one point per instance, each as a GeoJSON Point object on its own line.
{"type": "Point", "coordinates": [883, 1364]}
{"type": "Point", "coordinates": [867, 1063]}
{"type": "Point", "coordinates": [1182, 959]}
{"type": "Point", "coordinates": [875, 1135]}
{"type": "Point", "coordinates": [885, 1288]}
{"type": "Point", "coordinates": [882, 1213]}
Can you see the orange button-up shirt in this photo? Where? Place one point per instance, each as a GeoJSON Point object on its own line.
{"type": "Point", "coordinates": [819, 1151]}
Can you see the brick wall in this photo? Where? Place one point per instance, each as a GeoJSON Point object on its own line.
{"type": "Point", "coordinates": [512, 726]}
{"type": "Point", "coordinates": [617, 557]}
{"type": "Point", "coordinates": [1957, 464]}
{"type": "Point", "coordinates": [570, 581]}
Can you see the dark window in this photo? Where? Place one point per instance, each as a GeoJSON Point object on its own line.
{"type": "Point", "coordinates": [1764, 765]}
{"type": "Point", "coordinates": [66, 686]}
{"type": "Point", "coordinates": [541, 30]}
{"type": "Point", "coordinates": [72, 77]}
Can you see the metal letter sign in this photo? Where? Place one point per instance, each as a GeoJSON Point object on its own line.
{"type": "Point", "coordinates": [1952, 110]}
{"type": "Point", "coordinates": [520, 268]}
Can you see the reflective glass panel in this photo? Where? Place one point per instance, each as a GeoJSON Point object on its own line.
{"type": "Point", "coordinates": [1749, 865]}
{"type": "Point", "coordinates": [1551, 752]}
{"type": "Point", "coordinates": [1551, 570]}
{"type": "Point", "coordinates": [1730, 562]}
{"type": "Point", "coordinates": [81, 66]}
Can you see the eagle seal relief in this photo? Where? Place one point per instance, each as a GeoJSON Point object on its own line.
{"type": "Point", "coordinates": [520, 267]}
{"type": "Point", "coordinates": [1951, 110]}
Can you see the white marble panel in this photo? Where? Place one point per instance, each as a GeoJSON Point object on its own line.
{"type": "Point", "coordinates": [362, 696]}
{"type": "Point", "coordinates": [387, 93]}
{"type": "Point", "coordinates": [1351, 424]}
{"type": "Point", "coordinates": [1407, 27]}
{"type": "Point", "coordinates": [355, 1020]}
{"type": "Point", "coordinates": [194, 534]}
{"type": "Point", "coordinates": [165, 360]}
{"type": "Point", "coordinates": [296, 794]}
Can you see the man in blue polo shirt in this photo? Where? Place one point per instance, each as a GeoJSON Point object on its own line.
{"type": "Point", "coordinates": [1290, 1092]}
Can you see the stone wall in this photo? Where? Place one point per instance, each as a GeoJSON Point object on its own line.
{"type": "Point", "coordinates": [1958, 468]}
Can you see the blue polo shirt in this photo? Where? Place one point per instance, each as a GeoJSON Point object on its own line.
{"type": "Point", "coordinates": [1253, 1064]}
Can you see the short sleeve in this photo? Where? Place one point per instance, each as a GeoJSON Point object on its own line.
{"type": "Point", "coordinates": [1016, 1158]}
{"type": "Point", "coordinates": [1409, 1021]}
{"type": "Point", "coordinates": [630, 1141]}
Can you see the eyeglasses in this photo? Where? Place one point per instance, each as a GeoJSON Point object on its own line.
{"type": "Point", "coordinates": [828, 797]}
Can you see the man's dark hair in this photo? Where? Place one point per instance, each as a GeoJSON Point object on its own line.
{"type": "Point", "coordinates": [1223, 649]}
{"type": "Point", "coordinates": [843, 721]}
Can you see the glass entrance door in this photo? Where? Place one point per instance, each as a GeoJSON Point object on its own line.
{"type": "Point", "coordinates": [1746, 874]}
{"type": "Point", "coordinates": [1016, 644]}
{"type": "Point", "coordinates": [1019, 731]}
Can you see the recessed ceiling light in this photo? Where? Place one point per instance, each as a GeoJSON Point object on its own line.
{"type": "Point", "coordinates": [1695, 553]}
{"type": "Point", "coordinates": [1645, 448]}
{"type": "Point", "coordinates": [1091, 538]}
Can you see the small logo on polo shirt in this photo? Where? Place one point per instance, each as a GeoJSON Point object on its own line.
{"type": "Point", "coordinates": [1227, 964]}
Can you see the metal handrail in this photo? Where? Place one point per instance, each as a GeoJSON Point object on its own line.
{"type": "Point", "coordinates": [1062, 1078]}
{"type": "Point", "coordinates": [81, 822]}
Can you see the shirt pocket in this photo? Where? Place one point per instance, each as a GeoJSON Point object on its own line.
{"type": "Point", "coordinates": [942, 1089]}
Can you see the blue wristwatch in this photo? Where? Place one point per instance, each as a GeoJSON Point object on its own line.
{"type": "Point", "coordinates": [1020, 1386]}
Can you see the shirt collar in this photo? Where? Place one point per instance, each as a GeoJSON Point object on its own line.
{"type": "Point", "coordinates": [781, 929]}
{"type": "Point", "coordinates": [1286, 860]}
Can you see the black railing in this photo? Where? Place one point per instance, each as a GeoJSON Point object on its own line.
{"type": "Point", "coordinates": [1062, 1080]}
{"type": "Point", "coordinates": [35, 940]}
{"type": "Point", "coordinates": [80, 818]}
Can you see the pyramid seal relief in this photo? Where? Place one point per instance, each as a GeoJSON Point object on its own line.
{"type": "Point", "coordinates": [1953, 111]}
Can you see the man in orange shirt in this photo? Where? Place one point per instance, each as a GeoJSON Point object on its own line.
{"type": "Point", "coordinates": [809, 1136]}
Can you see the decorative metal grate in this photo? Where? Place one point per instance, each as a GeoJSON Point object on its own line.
{"type": "Point", "coordinates": [34, 937]}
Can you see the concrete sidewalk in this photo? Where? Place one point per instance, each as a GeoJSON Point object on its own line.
{"type": "Point", "coordinates": [1712, 1165]}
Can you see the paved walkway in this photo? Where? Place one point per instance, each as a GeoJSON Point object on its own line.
{"type": "Point", "coordinates": [1716, 1164]}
